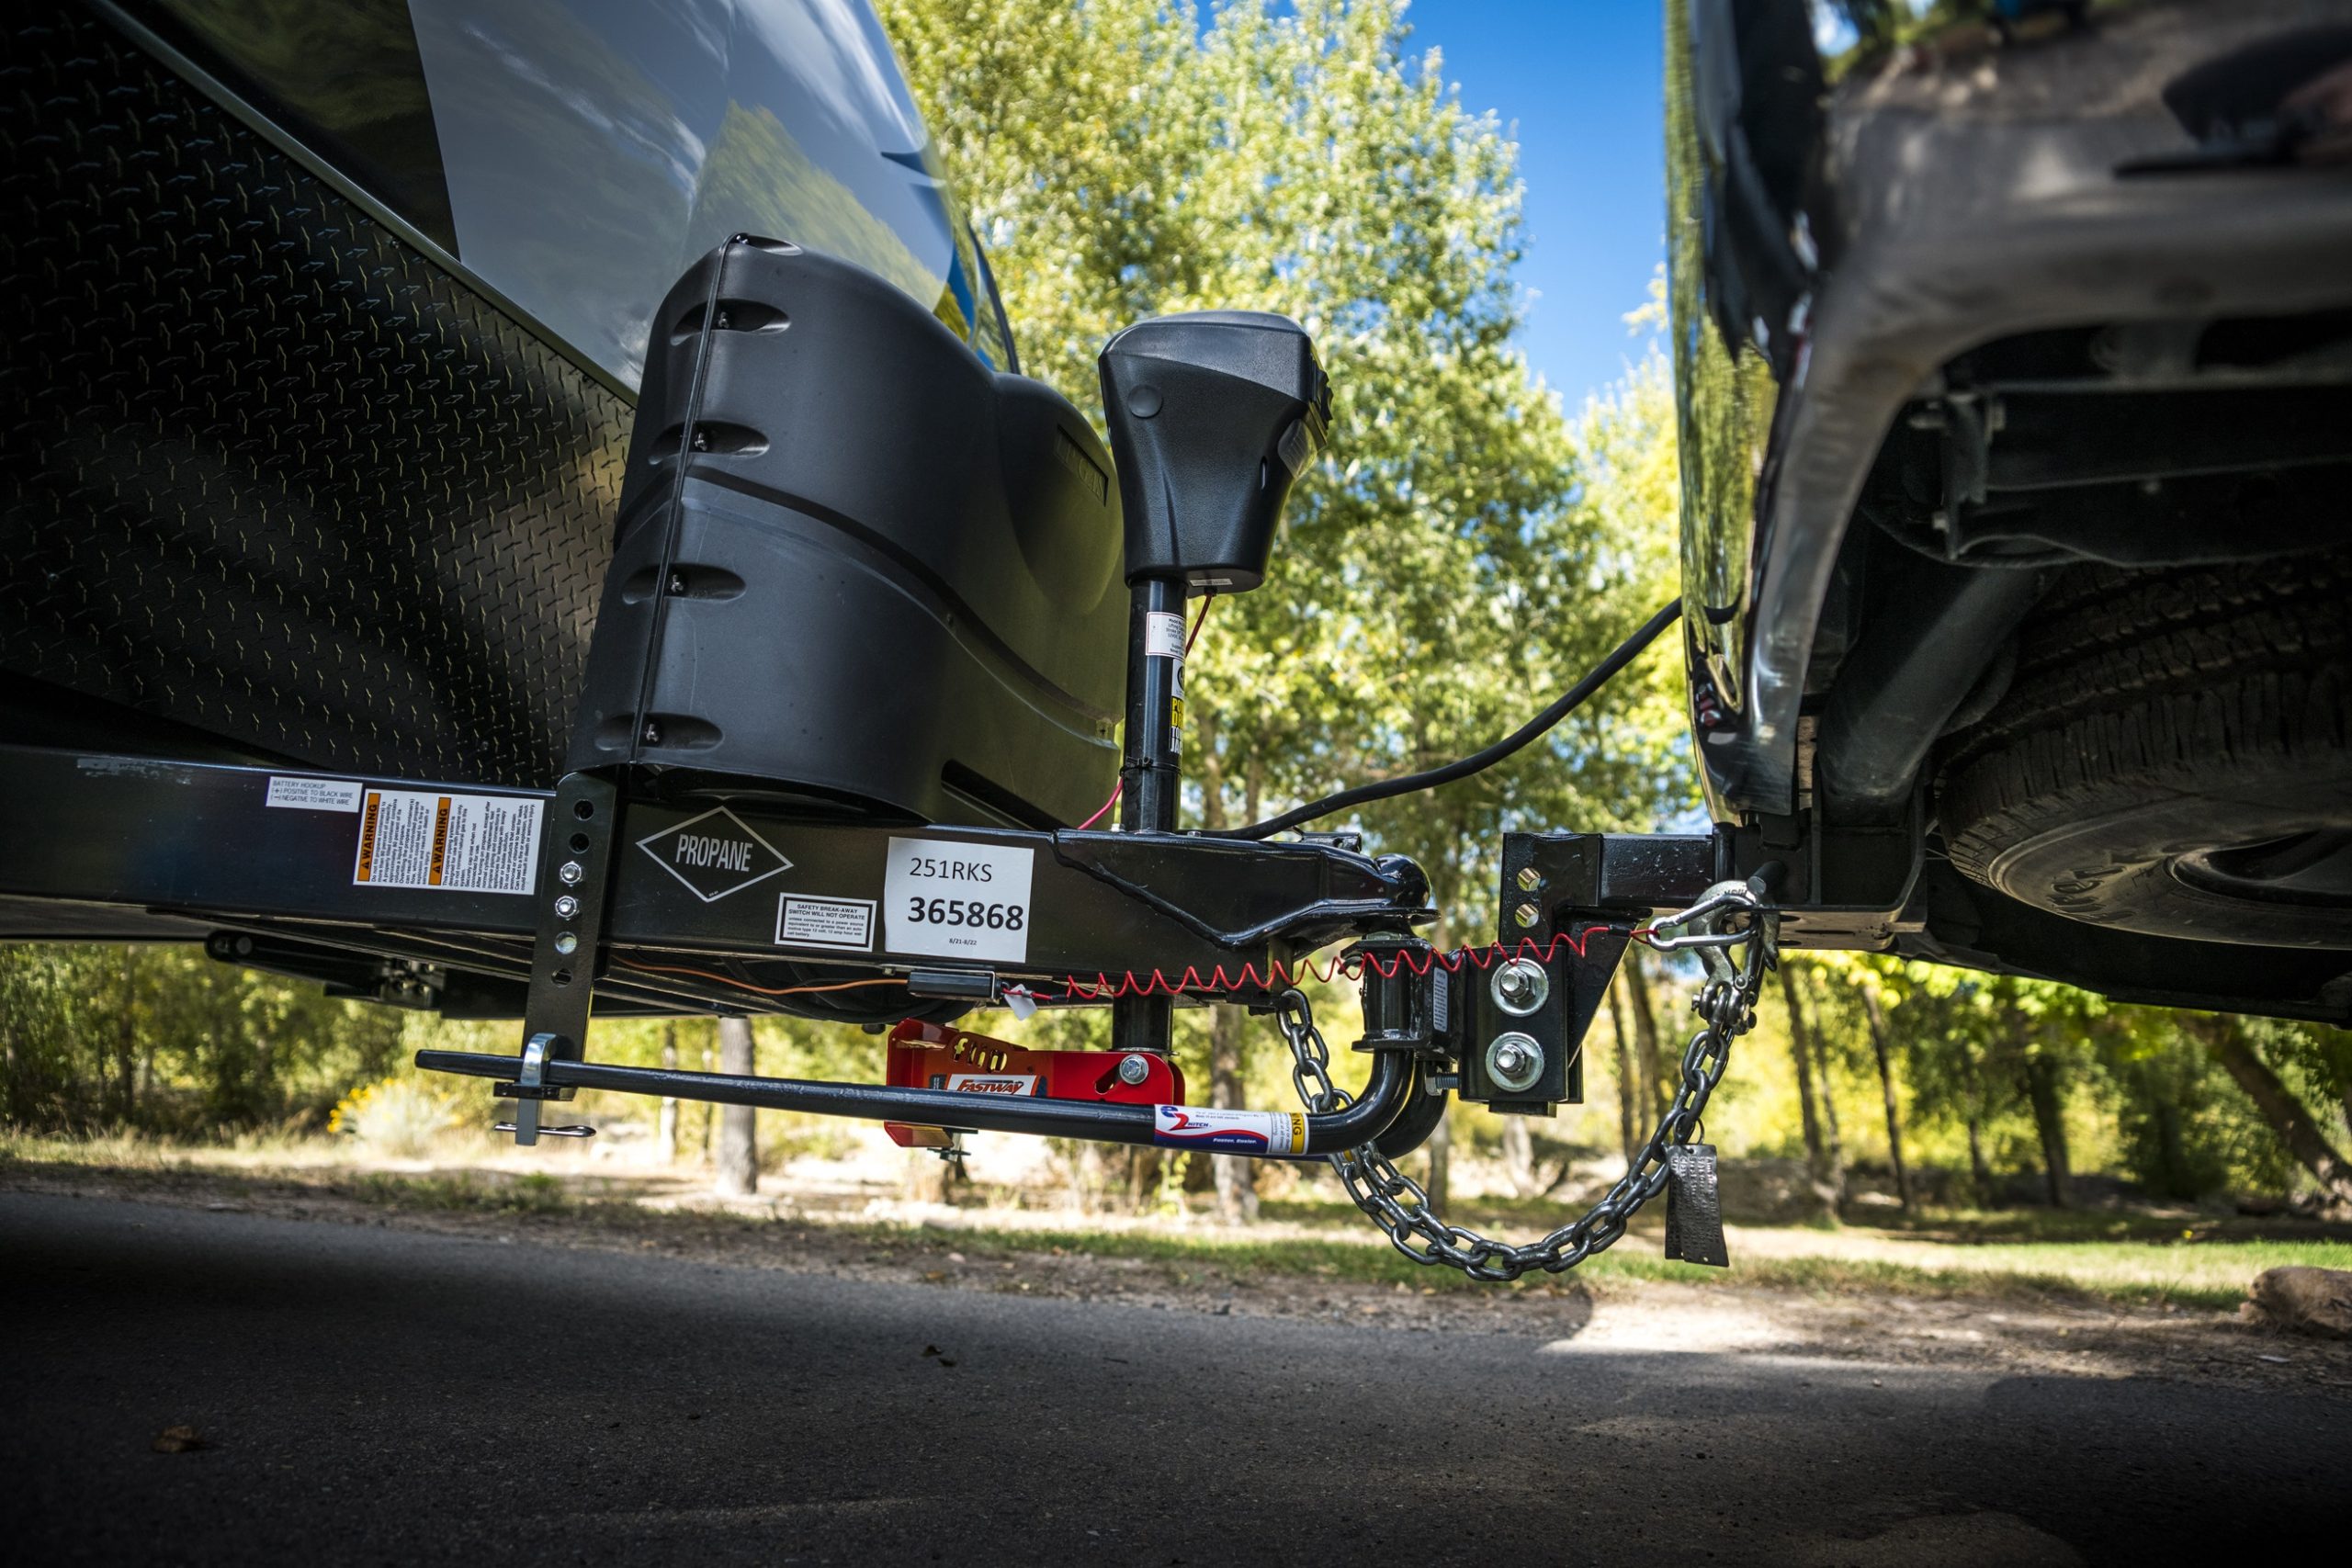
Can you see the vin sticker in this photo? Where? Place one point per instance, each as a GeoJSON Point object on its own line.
{"type": "Point", "coordinates": [844, 924]}
{"type": "Point", "coordinates": [313, 795]}
{"type": "Point", "coordinates": [458, 843]}
{"type": "Point", "coordinates": [1204, 1127]}
{"type": "Point", "coordinates": [953, 900]}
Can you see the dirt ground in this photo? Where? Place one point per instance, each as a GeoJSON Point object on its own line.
{"type": "Point", "coordinates": [1879, 1327]}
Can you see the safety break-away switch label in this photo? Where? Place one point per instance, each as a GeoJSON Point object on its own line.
{"type": "Point", "coordinates": [459, 844]}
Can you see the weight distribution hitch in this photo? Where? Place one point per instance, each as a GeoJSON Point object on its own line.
{"type": "Point", "coordinates": [621, 893]}
{"type": "Point", "coordinates": [1211, 417]}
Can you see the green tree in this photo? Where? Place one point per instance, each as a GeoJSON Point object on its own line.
{"type": "Point", "coordinates": [1441, 571]}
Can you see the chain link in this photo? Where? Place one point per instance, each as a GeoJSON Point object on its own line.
{"type": "Point", "coordinates": [1733, 914]}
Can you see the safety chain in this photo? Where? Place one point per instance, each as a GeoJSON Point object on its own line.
{"type": "Point", "coordinates": [1733, 914]}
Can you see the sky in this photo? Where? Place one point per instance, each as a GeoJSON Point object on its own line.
{"type": "Point", "coordinates": [1583, 81]}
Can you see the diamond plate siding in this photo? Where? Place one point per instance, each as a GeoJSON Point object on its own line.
{"type": "Point", "coordinates": [264, 469]}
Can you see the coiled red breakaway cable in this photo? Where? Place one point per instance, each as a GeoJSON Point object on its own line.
{"type": "Point", "coordinates": [1279, 975]}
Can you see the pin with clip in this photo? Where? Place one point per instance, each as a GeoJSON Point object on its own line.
{"type": "Point", "coordinates": [530, 1089]}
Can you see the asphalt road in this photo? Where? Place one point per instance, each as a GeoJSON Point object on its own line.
{"type": "Point", "coordinates": [370, 1394]}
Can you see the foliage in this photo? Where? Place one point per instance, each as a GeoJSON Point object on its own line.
{"type": "Point", "coordinates": [163, 1037]}
{"type": "Point", "coordinates": [1442, 570]}
{"type": "Point", "coordinates": [400, 1116]}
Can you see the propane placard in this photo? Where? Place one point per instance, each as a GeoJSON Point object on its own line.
{"type": "Point", "coordinates": [1249, 1131]}
{"type": "Point", "coordinates": [954, 900]}
{"type": "Point", "coordinates": [459, 844]}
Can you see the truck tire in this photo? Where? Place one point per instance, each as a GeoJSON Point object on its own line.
{"type": "Point", "coordinates": [2174, 757]}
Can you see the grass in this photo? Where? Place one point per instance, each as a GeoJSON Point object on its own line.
{"type": "Point", "coordinates": [464, 1191]}
{"type": "Point", "coordinates": [2079, 1257]}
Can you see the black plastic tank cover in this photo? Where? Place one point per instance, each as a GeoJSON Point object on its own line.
{"type": "Point", "coordinates": [855, 569]}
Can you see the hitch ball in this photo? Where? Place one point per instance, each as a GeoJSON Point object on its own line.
{"type": "Point", "coordinates": [1514, 1061]}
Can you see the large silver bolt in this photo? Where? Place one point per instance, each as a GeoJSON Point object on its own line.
{"type": "Point", "coordinates": [566, 907]}
{"type": "Point", "coordinates": [1134, 1070]}
{"type": "Point", "coordinates": [1527, 914]}
{"type": "Point", "coordinates": [1514, 1062]}
{"type": "Point", "coordinates": [1521, 987]}
{"type": "Point", "coordinates": [569, 873]}
{"type": "Point", "coordinates": [1530, 879]}
{"type": "Point", "coordinates": [566, 943]}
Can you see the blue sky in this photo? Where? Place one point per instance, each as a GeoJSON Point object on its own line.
{"type": "Point", "coordinates": [1583, 81]}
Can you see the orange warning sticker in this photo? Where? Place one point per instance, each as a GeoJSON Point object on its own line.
{"type": "Point", "coordinates": [464, 843]}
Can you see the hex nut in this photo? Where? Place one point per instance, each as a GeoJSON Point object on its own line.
{"type": "Point", "coordinates": [1514, 1061]}
{"type": "Point", "coordinates": [1520, 987]}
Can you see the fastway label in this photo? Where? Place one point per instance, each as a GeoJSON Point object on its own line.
{"type": "Point", "coordinates": [954, 900]}
{"type": "Point", "coordinates": [714, 855]}
{"type": "Point", "coordinates": [1017, 1084]}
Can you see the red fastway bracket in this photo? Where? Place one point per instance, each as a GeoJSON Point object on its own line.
{"type": "Point", "coordinates": [931, 1055]}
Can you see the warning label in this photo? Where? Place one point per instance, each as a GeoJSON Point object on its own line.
{"type": "Point", "coordinates": [844, 923]}
{"type": "Point", "coordinates": [461, 843]}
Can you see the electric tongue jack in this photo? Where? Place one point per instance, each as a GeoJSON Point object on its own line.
{"type": "Point", "coordinates": [857, 663]}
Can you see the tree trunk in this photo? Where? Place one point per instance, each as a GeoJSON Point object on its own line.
{"type": "Point", "coordinates": [738, 1155]}
{"type": "Point", "coordinates": [1519, 1157]}
{"type": "Point", "coordinates": [1876, 1015]}
{"type": "Point", "coordinates": [1832, 1138]}
{"type": "Point", "coordinates": [2296, 1127]}
{"type": "Point", "coordinates": [1440, 1147]}
{"type": "Point", "coordinates": [2174, 1178]}
{"type": "Point", "coordinates": [666, 1135]}
{"type": "Point", "coordinates": [1816, 1158]}
{"type": "Point", "coordinates": [1637, 993]}
{"type": "Point", "coordinates": [2048, 1120]}
{"type": "Point", "coordinates": [1629, 1088]}
{"type": "Point", "coordinates": [126, 1045]}
{"type": "Point", "coordinates": [926, 1178]}
{"type": "Point", "coordinates": [1236, 1177]}
{"type": "Point", "coordinates": [1980, 1172]}
{"type": "Point", "coordinates": [1142, 1180]}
